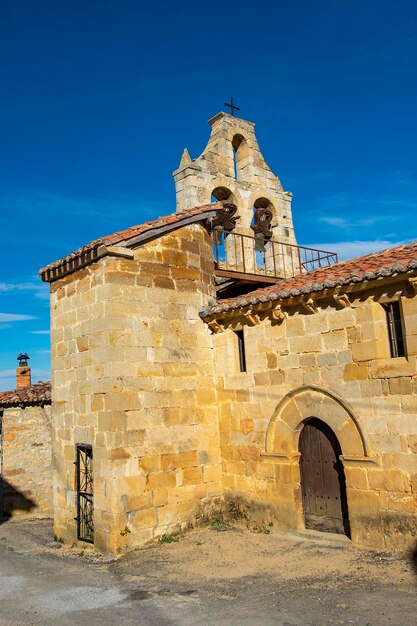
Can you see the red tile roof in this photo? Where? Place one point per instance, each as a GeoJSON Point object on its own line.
{"type": "Point", "coordinates": [125, 238]}
{"type": "Point", "coordinates": [37, 394]}
{"type": "Point", "coordinates": [373, 266]}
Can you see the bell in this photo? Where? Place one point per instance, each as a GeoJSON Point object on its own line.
{"type": "Point", "coordinates": [259, 243]}
{"type": "Point", "coordinates": [218, 236]}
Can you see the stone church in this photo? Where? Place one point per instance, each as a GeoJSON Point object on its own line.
{"type": "Point", "coordinates": [203, 363]}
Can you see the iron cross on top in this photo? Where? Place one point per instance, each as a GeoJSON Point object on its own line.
{"type": "Point", "coordinates": [232, 106]}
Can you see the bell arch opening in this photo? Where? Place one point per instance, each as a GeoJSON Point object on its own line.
{"type": "Point", "coordinates": [323, 482]}
{"type": "Point", "coordinates": [222, 193]}
{"type": "Point", "coordinates": [264, 203]}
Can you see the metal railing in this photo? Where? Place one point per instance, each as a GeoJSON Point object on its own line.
{"type": "Point", "coordinates": [237, 253]}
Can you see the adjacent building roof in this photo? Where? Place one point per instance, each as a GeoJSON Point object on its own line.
{"type": "Point", "coordinates": [134, 235]}
{"type": "Point", "coordinates": [377, 265]}
{"type": "Point", "coordinates": [38, 394]}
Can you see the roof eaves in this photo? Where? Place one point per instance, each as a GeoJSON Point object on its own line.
{"type": "Point", "coordinates": [128, 238]}
{"type": "Point", "coordinates": [38, 394]}
{"type": "Point", "coordinates": [266, 295]}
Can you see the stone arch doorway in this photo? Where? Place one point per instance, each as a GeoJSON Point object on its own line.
{"type": "Point", "coordinates": [300, 405]}
{"type": "Point", "coordinates": [323, 484]}
{"type": "Point", "coordinates": [288, 420]}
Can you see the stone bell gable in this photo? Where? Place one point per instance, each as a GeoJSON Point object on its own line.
{"type": "Point", "coordinates": [232, 168]}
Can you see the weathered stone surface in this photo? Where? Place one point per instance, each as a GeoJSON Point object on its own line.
{"type": "Point", "coordinates": [142, 391]}
{"type": "Point", "coordinates": [355, 366]}
{"type": "Point", "coordinates": [25, 461]}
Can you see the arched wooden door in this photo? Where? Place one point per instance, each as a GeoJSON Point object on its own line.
{"type": "Point", "coordinates": [322, 479]}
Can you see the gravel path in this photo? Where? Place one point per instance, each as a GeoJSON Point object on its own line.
{"type": "Point", "coordinates": [221, 576]}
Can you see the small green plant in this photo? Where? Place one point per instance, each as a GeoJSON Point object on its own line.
{"type": "Point", "coordinates": [216, 522]}
{"type": "Point", "coordinates": [125, 532]}
{"type": "Point", "coordinates": [262, 530]}
{"type": "Point", "coordinates": [167, 538]}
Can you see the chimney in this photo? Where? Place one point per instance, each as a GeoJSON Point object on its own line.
{"type": "Point", "coordinates": [23, 372]}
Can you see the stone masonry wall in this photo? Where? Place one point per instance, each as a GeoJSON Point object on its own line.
{"type": "Point", "coordinates": [26, 472]}
{"type": "Point", "coordinates": [333, 364]}
{"type": "Point", "coordinates": [132, 368]}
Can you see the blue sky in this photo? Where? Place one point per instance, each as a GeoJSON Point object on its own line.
{"type": "Point", "coordinates": [99, 99]}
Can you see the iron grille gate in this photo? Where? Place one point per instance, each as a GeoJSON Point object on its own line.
{"type": "Point", "coordinates": [84, 486]}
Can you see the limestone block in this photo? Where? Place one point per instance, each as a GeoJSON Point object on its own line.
{"type": "Point", "coordinates": [356, 478]}
{"type": "Point", "coordinates": [317, 323]}
{"type": "Point", "coordinates": [192, 475]}
{"type": "Point", "coordinates": [389, 480]}
{"type": "Point", "coordinates": [212, 473]}
{"type": "Point", "coordinates": [401, 386]}
{"type": "Point", "coordinates": [179, 460]}
{"type": "Point", "coordinates": [158, 480]}
{"type": "Point", "coordinates": [391, 368]}
{"type": "Point", "coordinates": [294, 327]}
{"type": "Point", "coordinates": [412, 444]}
{"type": "Point", "coordinates": [384, 443]}
{"type": "Point", "coordinates": [311, 343]}
{"type": "Point", "coordinates": [402, 424]}
{"type": "Point", "coordinates": [369, 350]}
{"type": "Point", "coordinates": [334, 340]}
{"type": "Point", "coordinates": [308, 360]}
{"type": "Point", "coordinates": [411, 344]}
{"type": "Point", "coordinates": [272, 360]}
{"type": "Point", "coordinates": [350, 440]}
{"type": "Point", "coordinates": [354, 371]}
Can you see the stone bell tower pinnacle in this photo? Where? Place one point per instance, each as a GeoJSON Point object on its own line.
{"type": "Point", "coordinates": [232, 168]}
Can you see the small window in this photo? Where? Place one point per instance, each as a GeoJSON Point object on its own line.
{"type": "Point", "coordinates": [241, 348]}
{"type": "Point", "coordinates": [395, 329]}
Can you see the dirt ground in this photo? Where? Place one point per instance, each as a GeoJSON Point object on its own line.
{"type": "Point", "coordinates": [222, 575]}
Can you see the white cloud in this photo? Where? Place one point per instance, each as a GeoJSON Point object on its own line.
{"type": "Point", "coordinates": [18, 286]}
{"type": "Point", "coordinates": [40, 375]}
{"type": "Point", "coordinates": [39, 332]}
{"type": "Point", "coordinates": [39, 289]}
{"type": "Point", "coordinates": [352, 249]}
{"type": "Point", "coordinates": [7, 373]}
{"type": "Point", "coordinates": [347, 224]}
{"type": "Point", "coordinates": [8, 377]}
{"type": "Point", "coordinates": [15, 317]}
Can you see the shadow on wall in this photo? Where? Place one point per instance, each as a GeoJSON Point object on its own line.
{"type": "Point", "coordinates": [12, 500]}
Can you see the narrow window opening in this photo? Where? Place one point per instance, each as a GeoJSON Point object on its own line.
{"type": "Point", "coordinates": [239, 148]}
{"type": "Point", "coordinates": [241, 349]}
{"type": "Point", "coordinates": [234, 163]}
{"type": "Point", "coordinates": [395, 329]}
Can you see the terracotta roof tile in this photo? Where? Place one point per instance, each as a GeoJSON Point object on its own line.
{"type": "Point", "coordinates": [373, 266]}
{"type": "Point", "coordinates": [39, 393]}
{"type": "Point", "coordinates": [123, 237]}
